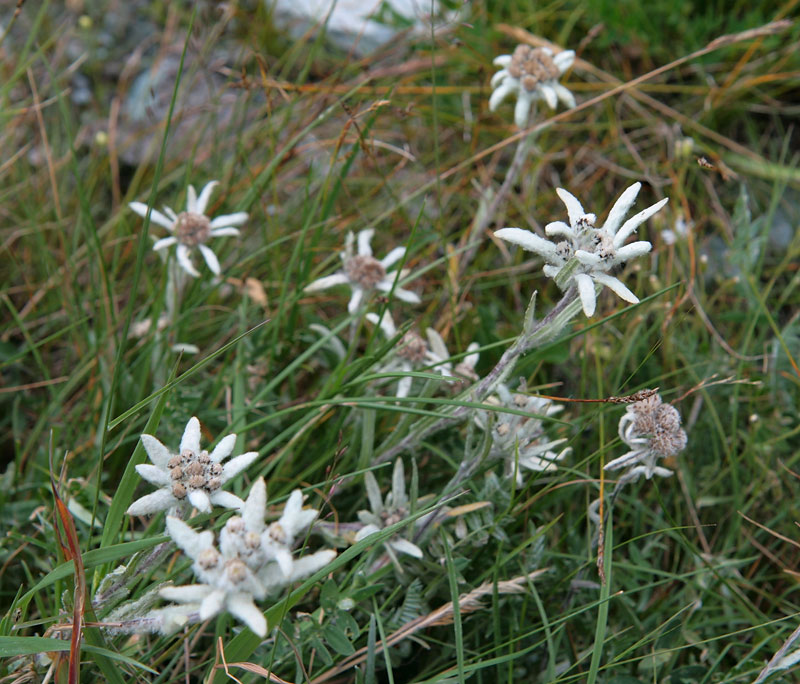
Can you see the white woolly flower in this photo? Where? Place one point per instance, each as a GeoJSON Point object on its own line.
{"type": "Point", "coordinates": [521, 441]}
{"type": "Point", "coordinates": [588, 252]}
{"type": "Point", "coordinates": [191, 476]}
{"type": "Point", "coordinates": [242, 570]}
{"type": "Point", "coordinates": [652, 430]}
{"type": "Point", "coordinates": [532, 74]}
{"type": "Point", "coordinates": [192, 228]}
{"type": "Point", "coordinates": [384, 514]}
{"type": "Point", "coordinates": [364, 273]}
{"type": "Point", "coordinates": [412, 352]}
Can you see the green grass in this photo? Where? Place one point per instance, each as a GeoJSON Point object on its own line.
{"type": "Point", "coordinates": [314, 143]}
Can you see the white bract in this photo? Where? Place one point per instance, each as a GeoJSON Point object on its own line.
{"type": "Point", "coordinates": [412, 352]}
{"type": "Point", "coordinates": [586, 252]}
{"type": "Point", "coordinates": [532, 74]}
{"type": "Point", "coordinates": [364, 273]}
{"type": "Point", "coordinates": [386, 513]}
{"type": "Point", "coordinates": [252, 561]}
{"type": "Point", "coordinates": [652, 430]}
{"type": "Point", "coordinates": [192, 228]}
{"type": "Point", "coordinates": [464, 369]}
{"type": "Point", "coordinates": [521, 440]}
{"type": "Point", "coordinates": [191, 476]}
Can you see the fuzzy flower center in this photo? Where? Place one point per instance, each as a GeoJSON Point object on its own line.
{"type": "Point", "coordinates": [660, 423]}
{"type": "Point", "coordinates": [190, 470]}
{"type": "Point", "coordinates": [192, 229]}
{"type": "Point", "coordinates": [532, 66]}
{"type": "Point", "coordinates": [393, 516]}
{"type": "Point", "coordinates": [412, 347]}
{"type": "Point", "coordinates": [365, 270]}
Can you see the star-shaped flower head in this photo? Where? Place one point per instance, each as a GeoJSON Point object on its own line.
{"type": "Point", "coordinates": [192, 228]}
{"type": "Point", "coordinates": [364, 273]}
{"type": "Point", "coordinates": [532, 74]}
{"type": "Point", "coordinates": [586, 253]}
{"type": "Point", "coordinates": [412, 352]}
{"type": "Point", "coordinates": [192, 476]}
{"type": "Point", "coordinates": [384, 514]}
{"type": "Point", "coordinates": [521, 440]}
{"type": "Point", "coordinates": [227, 581]}
{"type": "Point", "coordinates": [652, 430]}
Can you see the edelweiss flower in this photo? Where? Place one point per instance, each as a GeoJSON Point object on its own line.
{"type": "Point", "coordinates": [385, 514]}
{"type": "Point", "coordinates": [521, 441]}
{"type": "Point", "coordinates": [412, 352]}
{"type": "Point", "coordinates": [652, 430]}
{"type": "Point", "coordinates": [192, 476]}
{"type": "Point", "coordinates": [364, 273]}
{"type": "Point", "coordinates": [243, 569]}
{"type": "Point", "coordinates": [531, 73]}
{"type": "Point", "coordinates": [192, 228]}
{"type": "Point", "coordinates": [592, 251]}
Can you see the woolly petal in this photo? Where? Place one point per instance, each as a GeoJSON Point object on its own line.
{"type": "Point", "coordinates": [228, 221]}
{"type": "Point", "coordinates": [364, 238]}
{"type": "Point", "coordinates": [617, 286]}
{"type": "Point", "coordinates": [311, 563]}
{"type": "Point", "coordinates": [399, 499]}
{"type": "Point", "coordinates": [155, 215]}
{"type": "Point", "coordinates": [437, 345]}
{"type": "Point", "coordinates": [564, 95]}
{"type": "Point", "coordinates": [522, 108]}
{"type": "Point", "coordinates": [236, 465]}
{"type": "Point", "coordinates": [587, 258]}
{"type": "Point", "coordinates": [559, 228]}
{"type": "Point", "coordinates": [200, 500]}
{"type": "Point", "coordinates": [386, 323]}
{"type": "Point", "coordinates": [191, 200]}
{"type": "Point", "coordinates": [586, 291]}
{"type": "Point", "coordinates": [373, 493]}
{"type": "Point", "coordinates": [621, 207]}
{"type": "Point", "coordinates": [403, 387]}
{"type": "Point", "coordinates": [172, 215]}
{"type": "Point", "coordinates": [191, 593]}
{"type": "Point", "coordinates": [223, 449]}
{"type": "Point", "coordinates": [255, 507]}
{"type": "Point", "coordinates": [502, 60]}
{"type": "Point", "coordinates": [472, 357]}
{"type": "Point", "coordinates": [190, 441]}
{"type": "Point", "coordinates": [283, 557]}
{"type": "Point", "coordinates": [564, 60]}
{"type": "Point", "coordinates": [190, 542]}
{"type": "Point", "coordinates": [633, 250]}
{"type": "Point", "coordinates": [549, 95]}
{"type": "Point", "coordinates": [228, 231]}
{"type": "Point", "coordinates": [366, 531]}
{"type": "Point", "coordinates": [160, 500]}
{"type": "Point", "coordinates": [241, 606]}
{"type": "Point", "coordinates": [355, 300]}
{"type": "Point", "coordinates": [154, 475]}
{"type": "Point", "coordinates": [528, 240]}
{"type": "Point", "coordinates": [156, 451]}
{"type": "Point", "coordinates": [163, 243]}
{"type": "Point", "coordinates": [498, 78]}
{"type": "Point", "coordinates": [627, 459]}
{"type": "Point", "coordinates": [404, 546]}
{"type": "Point", "coordinates": [398, 292]}
{"type": "Point", "coordinates": [212, 604]}
{"type": "Point", "coordinates": [205, 195]}
{"type": "Point", "coordinates": [185, 262]}
{"type": "Point", "coordinates": [501, 93]}
{"type": "Point", "coordinates": [211, 259]}
{"type": "Point", "coordinates": [226, 500]}
{"type": "Point", "coordinates": [635, 221]}
{"type": "Point", "coordinates": [393, 257]}
{"type": "Point", "coordinates": [297, 519]}
{"type": "Point", "coordinates": [574, 209]}
{"type": "Point", "coordinates": [326, 282]}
